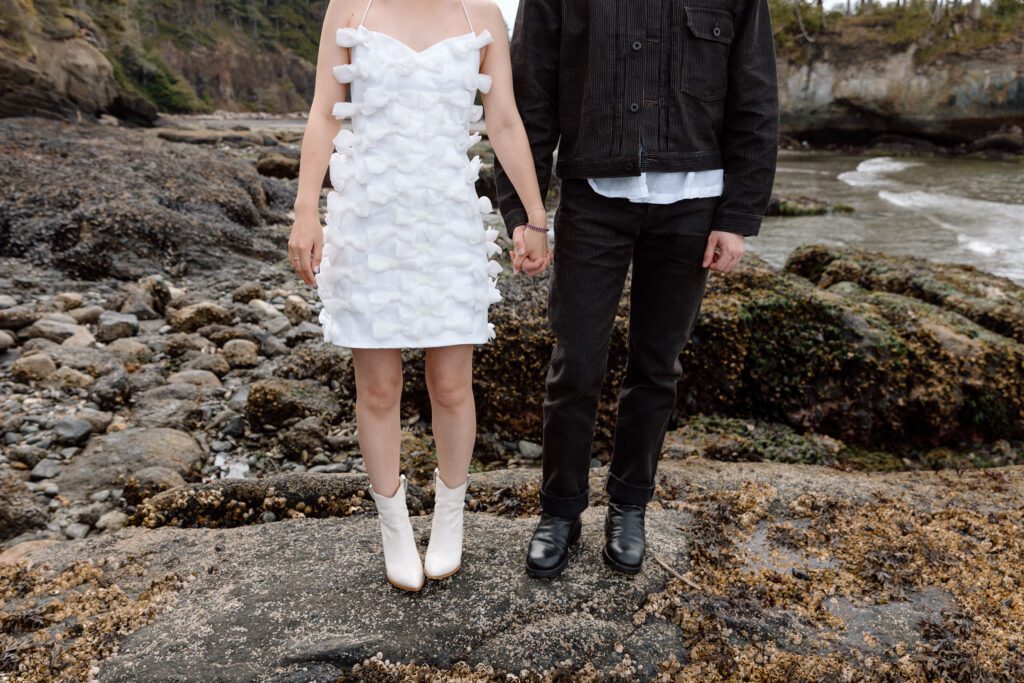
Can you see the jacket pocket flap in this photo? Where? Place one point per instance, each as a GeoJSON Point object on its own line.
{"type": "Point", "coordinates": [711, 24]}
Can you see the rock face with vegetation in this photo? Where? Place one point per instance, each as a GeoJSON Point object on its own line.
{"type": "Point", "coordinates": [129, 58]}
{"type": "Point", "coordinates": [923, 70]}
{"type": "Point", "coordinates": [754, 572]}
{"type": "Point", "coordinates": [908, 70]}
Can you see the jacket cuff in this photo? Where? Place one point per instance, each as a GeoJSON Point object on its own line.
{"type": "Point", "coordinates": [740, 223]}
{"type": "Point", "coordinates": [513, 219]}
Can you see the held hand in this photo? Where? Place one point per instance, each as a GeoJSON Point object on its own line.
{"type": "Point", "coordinates": [724, 251]}
{"type": "Point", "coordinates": [529, 251]}
{"type": "Point", "coordinates": [306, 247]}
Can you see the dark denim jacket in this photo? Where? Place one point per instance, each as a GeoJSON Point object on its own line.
{"type": "Point", "coordinates": [624, 86]}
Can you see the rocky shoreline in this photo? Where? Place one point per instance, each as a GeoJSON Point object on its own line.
{"type": "Point", "coordinates": [164, 389]}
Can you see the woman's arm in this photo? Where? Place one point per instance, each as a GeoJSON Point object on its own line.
{"type": "Point", "coordinates": [512, 147]}
{"type": "Point", "coordinates": [305, 246]}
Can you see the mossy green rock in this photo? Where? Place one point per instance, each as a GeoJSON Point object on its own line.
{"type": "Point", "coordinates": [871, 368]}
{"type": "Point", "coordinates": [993, 302]}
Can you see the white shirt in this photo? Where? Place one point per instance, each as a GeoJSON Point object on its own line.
{"type": "Point", "coordinates": [661, 187]}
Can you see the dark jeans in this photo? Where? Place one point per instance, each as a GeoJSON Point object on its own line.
{"type": "Point", "coordinates": [596, 240]}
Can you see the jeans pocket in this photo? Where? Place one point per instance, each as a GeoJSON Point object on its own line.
{"type": "Point", "coordinates": [706, 43]}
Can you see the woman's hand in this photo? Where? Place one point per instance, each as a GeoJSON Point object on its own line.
{"type": "Point", "coordinates": [529, 251]}
{"type": "Point", "coordinates": [305, 247]}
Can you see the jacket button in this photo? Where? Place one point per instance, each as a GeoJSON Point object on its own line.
{"type": "Point", "coordinates": [637, 45]}
{"type": "Point", "coordinates": [717, 31]}
{"type": "Point", "coordinates": [634, 107]}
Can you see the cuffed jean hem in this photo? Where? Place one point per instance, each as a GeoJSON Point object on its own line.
{"type": "Point", "coordinates": [567, 507]}
{"type": "Point", "coordinates": [623, 492]}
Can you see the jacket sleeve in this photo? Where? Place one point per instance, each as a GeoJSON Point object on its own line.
{"type": "Point", "coordinates": [535, 49]}
{"type": "Point", "coordinates": [750, 131]}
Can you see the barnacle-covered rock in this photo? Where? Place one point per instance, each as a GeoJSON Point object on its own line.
{"type": "Point", "coordinates": [768, 569]}
{"type": "Point", "coordinates": [97, 202]}
{"type": "Point", "coordinates": [870, 368]}
{"type": "Point", "coordinates": [995, 303]}
{"type": "Point", "coordinates": [20, 511]}
{"type": "Point", "coordinates": [275, 401]}
{"type": "Point", "coordinates": [237, 502]}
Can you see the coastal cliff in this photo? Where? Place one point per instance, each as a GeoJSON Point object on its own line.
{"type": "Point", "coordinates": [839, 92]}
{"type": "Point", "coordinates": [886, 72]}
{"type": "Point", "coordinates": [130, 59]}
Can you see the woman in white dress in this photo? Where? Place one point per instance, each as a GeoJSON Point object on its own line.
{"type": "Point", "coordinates": [404, 260]}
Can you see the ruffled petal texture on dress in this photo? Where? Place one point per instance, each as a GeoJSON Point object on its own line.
{"type": "Point", "coordinates": [407, 261]}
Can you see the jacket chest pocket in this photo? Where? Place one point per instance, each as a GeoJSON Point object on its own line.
{"type": "Point", "coordinates": [702, 59]}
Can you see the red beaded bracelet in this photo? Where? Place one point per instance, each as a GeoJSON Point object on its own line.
{"type": "Point", "coordinates": [531, 226]}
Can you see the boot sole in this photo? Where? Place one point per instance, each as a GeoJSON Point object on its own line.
{"type": "Point", "coordinates": [618, 566]}
{"type": "Point", "coordinates": [444, 576]}
{"type": "Point", "coordinates": [539, 573]}
{"type": "Point", "coordinates": [407, 589]}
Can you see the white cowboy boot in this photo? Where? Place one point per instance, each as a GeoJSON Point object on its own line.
{"type": "Point", "coordinates": [401, 558]}
{"type": "Point", "coordinates": [444, 552]}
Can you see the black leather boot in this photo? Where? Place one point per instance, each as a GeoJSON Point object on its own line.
{"type": "Point", "coordinates": [548, 554]}
{"type": "Point", "coordinates": [624, 533]}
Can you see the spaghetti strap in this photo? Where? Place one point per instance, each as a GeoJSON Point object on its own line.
{"type": "Point", "coordinates": [367, 11]}
{"type": "Point", "coordinates": [466, 11]}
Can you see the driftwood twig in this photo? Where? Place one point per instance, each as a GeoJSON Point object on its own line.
{"type": "Point", "coordinates": [682, 577]}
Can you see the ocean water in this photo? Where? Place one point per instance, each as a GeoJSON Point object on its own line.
{"type": "Point", "coordinates": [951, 210]}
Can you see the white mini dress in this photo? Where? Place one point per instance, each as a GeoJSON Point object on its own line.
{"type": "Point", "coordinates": [407, 258]}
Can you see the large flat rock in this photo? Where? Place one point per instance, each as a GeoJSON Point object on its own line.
{"type": "Point", "coordinates": [310, 595]}
{"type": "Point", "coordinates": [755, 571]}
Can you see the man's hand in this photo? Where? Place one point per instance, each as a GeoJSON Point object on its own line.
{"type": "Point", "coordinates": [529, 251]}
{"type": "Point", "coordinates": [725, 249]}
{"type": "Point", "coordinates": [306, 247]}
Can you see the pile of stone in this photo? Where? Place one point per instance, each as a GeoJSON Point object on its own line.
{"type": "Point", "coordinates": [113, 394]}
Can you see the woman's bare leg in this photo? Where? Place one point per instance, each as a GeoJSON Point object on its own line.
{"type": "Point", "coordinates": [450, 383]}
{"type": "Point", "coordinates": [378, 418]}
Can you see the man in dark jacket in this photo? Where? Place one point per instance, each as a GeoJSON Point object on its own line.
{"type": "Point", "coordinates": [665, 116]}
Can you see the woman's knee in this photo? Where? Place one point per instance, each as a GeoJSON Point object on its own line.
{"type": "Point", "coordinates": [450, 390]}
{"type": "Point", "coordinates": [380, 394]}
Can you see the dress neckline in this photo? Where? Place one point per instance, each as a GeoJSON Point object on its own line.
{"type": "Point", "coordinates": [424, 50]}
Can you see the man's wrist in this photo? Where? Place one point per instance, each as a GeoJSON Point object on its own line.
{"type": "Point", "coordinates": [513, 219]}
